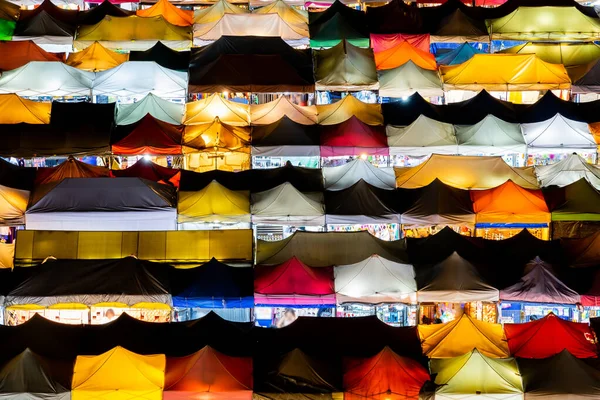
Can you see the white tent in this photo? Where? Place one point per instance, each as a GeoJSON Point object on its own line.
{"type": "Point", "coordinates": [423, 137]}
{"type": "Point", "coordinates": [160, 109]}
{"type": "Point", "coordinates": [408, 79]}
{"type": "Point", "coordinates": [568, 171]}
{"type": "Point", "coordinates": [344, 176]}
{"type": "Point", "coordinates": [558, 135]}
{"type": "Point", "coordinates": [273, 111]}
{"type": "Point", "coordinates": [456, 280]}
{"type": "Point", "coordinates": [375, 280]}
{"type": "Point", "coordinates": [13, 203]}
{"type": "Point", "coordinates": [284, 204]}
{"type": "Point", "coordinates": [138, 78]}
{"type": "Point", "coordinates": [47, 78]}
{"type": "Point", "coordinates": [490, 136]}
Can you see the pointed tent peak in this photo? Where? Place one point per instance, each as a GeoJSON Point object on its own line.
{"type": "Point", "coordinates": [217, 135]}
{"type": "Point", "coordinates": [282, 107]}
{"type": "Point", "coordinates": [170, 12]}
{"type": "Point", "coordinates": [18, 53]}
{"type": "Point", "coordinates": [343, 176]}
{"type": "Point", "coordinates": [348, 107]}
{"type": "Point", "coordinates": [302, 370]}
{"type": "Point", "coordinates": [458, 56]}
{"type": "Point", "coordinates": [23, 111]}
{"type": "Point", "coordinates": [216, 11]}
{"type": "Point", "coordinates": [29, 372]}
{"type": "Point", "coordinates": [47, 6]}
{"type": "Point", "coordinates": [403, 53]}
{"type": "Point", "coordinates": [97, 14]}
{"type": "Point", "coordinates": [207, 109]}
{"type": "Point", "coordinates": [96, 58]}
{"type": "Point", "coordinates": [285, 11]}
{"type": "Point", "coordinates": [71, 168]}
{"type": "Point", "coordinates": [337, 7]}
{"type": "Point", "coordinates": [146, 169]}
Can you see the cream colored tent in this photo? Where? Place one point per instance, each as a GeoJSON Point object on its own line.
{"type": "Point", "coordinates": [558, 135]}
{"type": "Point", "coordinates": [160, 109]}
{"type": "Point", "coordinates": [490, 136]}
{"type": "Point", "coordinates": [285, 205]}
{"type": "Point", "coordinates": [273, 111]}
{"type": "Point", "coordinates": [422, 137]}
{"type": "Point", "coordinates": [344, 176]}
{"type": "Point", "coordinates": [348, 107]}
{"type": "Point", "coordinates": [408, 79]}
{"type": "Point", "coordinates": [216, 11]}
{"type": "Point", "coordinates": [206, 110]}
{"type": "Point", "coordinates": [567, 171]}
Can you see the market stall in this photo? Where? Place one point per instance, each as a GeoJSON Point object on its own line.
{"type": "Point", "coordinates": [421, 138]}
{"type": "Point", "coordinates": [455, 22]}
{"type": "Point", "coordinates": [49, 26]}
{"type": "Point", "coordinates": [148, 136]}
{"type": "Point", "coordinates": [70, 168]}
{"type": "Point", "coordinates": [23, 111]}
{"type": "Point", "coordinates": [171, 13]}
{"type": "Point", "coordinates": [145, 169]}
{"type": "Point", "coordinates": [339, 22]}
{"type": "Point", "coordinates": [283, 106]}
{"type": "Point", "coordinates": [17, 54]}
{"type": "Point", "coordinates": [491, 137]}
{"type": "Point", "coordinates": [344, 176]}
{"type": "Point", "coordinates": [47, 78]}
{"type": "Point", "coordinates": [96, 14]}
{"type": "Point", "coordinates": [163, 56]}
{"type": "Point", "coordinates": [345, 68]}
{"type": "Point", "coordinates": [567, 171]}
{"type": "Point", "coordinates": [160, 109]}
{"type": "Point", "coordinates": [96, 58]}
{"type": "Point", "coordinates": [346, 108]}
{"type": "Point", "coordinates": [205, 110]}
{"type": "Point", "coordinates": [459, 55]}
{"type": "Point", "coordinates": [408, 79]}
{"type": "Point", "coordinates": [286, 205]}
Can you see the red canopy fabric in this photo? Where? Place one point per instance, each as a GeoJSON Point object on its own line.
{"type": "Point", "coordinates": [71, 168]}
{"type": "Point", "coordinates": [353, 137]}
{"type": "Point", "coordinates": [549, 336]}
{"type": "Point", "coordinates": [146, 169]}
{"type": "Point", "coordinates": [385, 41]}
{"type": "Point", "coordinates": [149, 136]}
{"type": "Point", "coordinates": [16, 54]}
{"type": "Point", "coordinates": [383, 376]}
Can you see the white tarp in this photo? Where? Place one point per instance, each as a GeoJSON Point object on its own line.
{"type": "Point", "coordinates": [423, 137]}
{"type": "Point", "coordinates": [409, 79]}
{"type": "Point", "coordinates": [155, 220]}
{"type": "Point", "coordinates": [558, 135]}
{"type": "Point", "coordinates": [375, 280]}
{"type": "Point", "coordinates": [567, 171]}
{"type": "Point", "coordinates": [285, 204]}
{"type": "Point", "coordinates": [160, 109]}
{"type": "Point", "coordinates": [47, 78]}
{"type": "Point", "coordinates": [490, 136]}
{"type": "Point", "coordinates": [344, 176]}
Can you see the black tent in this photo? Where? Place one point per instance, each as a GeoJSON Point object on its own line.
{"type": "Point", "coordinates": [396, 16]}
{"type": "Point", "coordinates": [163, 56]}
{"type": "Point", "coordinates": [550, 105]}
{"type": "Point", "coordinates": [405, 112]}
{"type": "Point", "coordinates": [67, 16]}
{"type": "Point", "coordinates": [589, 79]}
{"type": "Point", "coordinates": [14, 176]}
{"type": "Point", "coordinates": [454, 19]}
{"type": "Point", "coordinates": [511, 5]}
{"type": "Point", "coordinates": [285, 132]}
{"type": "Point", "coordinates": [438, 247]}
{"type": "Point", "coordinates": [470, 112]}
{"type": "Point", "coordinates": [29, 140]}
{"type": "Point", "coordinates": [97, 14]}
{"type": "Point", "coordinates": [44, 24]}
{"type": "Point", "coordinates": [146, 169]}
{"type": "Point", "coordinates": [337, 22]}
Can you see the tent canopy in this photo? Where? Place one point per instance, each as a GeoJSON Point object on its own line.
{"type": "Point", "coordinates": [286, 203]}
{"type": "Point", "coordinates": [586, 78]}
{"type": "Point", "coordinates": [568, 54]}
{"type": "Point", "coordinates": [96, 58]}
{"type": "Point", "coordinates": [214, 203]}
{"type": "Point", "coordinates": [216, 135]}
{"type": "Point", "coordinates": [71, 168]}
{"type": "Point", "coordinates": [568, 171]}
{"type": "Point", "coordinates": [455, 22]}
{"type": "Point", "coordinates": [97, 14]}
{"type": "Point", "coordinates": [47, 78]}
{"type": "Point", "coordinates": [345, 67]}
{"type": "Point", "coordinates": [268, 113]}
{"type": "Point", "coordinates": [216, 11]}
{"type": "Point", "coordinates": [409, 79]}
{"type": "Point", "coordinates": [206, 110]}
{"type": "Point", "coordinates": [147, 136]}
{"type": "Point", "coordinates": [401, 54]}
{"type": "Point", "coordinates": [491, 136]}
{"type": "Point", "coordinates": [421, 138]}
{"type": "Point", "coordinates": [475, 109]}
{"type": "Point", "coordinates": [43, 24]}
{"type": "Point", "coordinates": [384, 41]}
{"type": "Point", "coordinates": [549, 105]}
{"type": "Point", "coordinates": [16, 110]}
{"type": "Point", "coordinates": [285, 136]}
{"type": "Point", "coordinates": [9, 11]}
{"type": "Point", "coordinates": [67, 16]}
{"type": "Point", "coordinates": [13, 203]}
{"type": "Point", "coordinates": [558, 134]}
{"type": "Point", "coordinates": [17, 54]}
{"type": "Point", "coordinates": [171, 13]}
{"type": "Point", "coordinates": [163, 56]}
{"type": "Point", "coordinates": [146, 169]}
{"type": "Point", "coordinates": [393, 17]}
{"type": "Point", "coordinates": [348, 107]}
{"type": "Point", "coordinates": [336, 23]}
{"type": "Point", "coordinates": [344, 176]}
{"type": "Point", "coordinates": [404, 112]}
{"type": "Point", "coordinates": [578, 201]}
{"type": "Point", "coordinates": [459, 55]}
{"type": "Point", "coordinates": [160, 109]}
{"type": "Point", "coordinates": [352, 137]}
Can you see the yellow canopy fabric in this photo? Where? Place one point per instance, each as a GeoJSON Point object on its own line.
{"type": "Point", "coordinates": [133, 28]}
{"type": "Point", "coordinates": [214, 203]}
{"type": "Point", "coordinates": [505, 72]}
{"type": "Point", "coordinates": [119, 374]}
{"type": "Point", "coordinates": [465, 172]}
{"type": "Point", "coordinates": [230, 161]}
{"type": "Point", "coordinates": [96, 58]}
{"type": "Point", "coordinates": [462, 335]}
{"type": "Point", "coordinates": [13, 203]}
{"type": "Point", "coordinates": [568, 54]}
{"type": "Point", "coordinates": [348, 107]}
{"type": "Point", "coordinates": [16, 110]}
{"type": "Point", "coordinates": [169, 12]}
{"type": "Point", "coordinates": [403, 53]}
{"type": "Point", "coordinates": [216, 136]}
{"type": "Point", "coordinates": [215, 12]}
{"type": "Point", "coordinates": [297, 20]}
{"type": "Point", "coordinates": [206, 110]}
{"type": "Point", "coordinates": [273, 111]}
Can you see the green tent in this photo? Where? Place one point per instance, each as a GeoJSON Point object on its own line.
{"type": "Point", "coordinates": [344, 68]}
{"type": "Point", "coordinates": [578, 201]}
{"type": "Point", "coordinates": [336, 23]}
{"type": "Point", "coordinates": [568, 54]}
{"type": "Point", "coordinates": [6, 29]}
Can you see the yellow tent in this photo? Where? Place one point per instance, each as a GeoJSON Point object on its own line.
{"type": "Point", "coordinates": [214, 203]}
{"type": "Point", "coordinates": [215, 12]}
{"type": "Point", "coordinates": [96, 58]}
{"type": "Point", "coordinates": [297, 20]}
{"type": "Point", "coordinates": [119, 374]}
{"type": "Point", "coordinates": [16, 110]}
{"type": "Point", "coordinates": [465, 172]}
{"type": "Point", "coordinates": [230, 161]}
{"type": "Point", "coordinates": [504, 72]}
{"type": "Point", "coordinates": [349, 106]}
{"type": "Point", "coordinates": [13, 203]}
{"type": "Point", "coordinates": [206, 110]}
{"type": "Point", "coordinates": [169, 12]}
{"type": "Point", "coordinates": [462, 335]}
{"type": "Point", "coordinates": [216, 136]}
{"type": "Point", "coordinates": [273, 111]}
{"type": "Point", "coordinates": [567, 54]}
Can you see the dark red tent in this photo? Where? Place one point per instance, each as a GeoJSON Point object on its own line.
{"type": "Point", "coordinates": [147, 136]}
{"type": "Point", "coordinates": [146, 169]}
{"type": "Point", "coordinates": [353, 137]}
{"type": "Point", "coordinates": [16, 54]}
{"type": "Point", "coordinates": [72, 168]}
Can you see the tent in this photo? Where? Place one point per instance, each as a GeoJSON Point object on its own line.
{"type": "Point", "coordinates": [47, 78]}
{"type": "Point", "coordinates": [294, 18]}
{"type": "Point", "coordinates": [490, 136]}
{"type": "Point", "coordinates": [97, 14]}
{"type": "Point", "coordinates": [146, 169]}
{"type": "Point", "coordinates": [134, 33]}
{"type": "Point", "coordinates": [348, 107]}
{"type": "Point", "coordinates": [375, 280]}
{"type": "Point", "coordinates": [71, 168]}
{"type": "Point", "coordinates": [17, 54]}
{"type": "Point", "coordinates": [549, 105]}
{"type": "Point", "coordinates": [475, 109]}
{"type": "Point", "coordinates": [344, 176]}
{"type": "Point", "coordinates": [395, 16]}
{"type": "Point", "coordinates": [160, 109]}
{"type": "Point", "coordinates": [46, 31]}
{"type": "Point", "coordinates": [211, 15]}
{"type": "Point", "coordinates": [336, 23]}
{"type": "Point", "coordinates": [578, 201]}
{"type": "Point", "coordinates": [505, 72]}
{"type": "Point", "coordinates": [171, 13]}
{"type": "Point", "coordinates": [208, 372]}
{"type": "Point", "coordinates": [402, 53]}
{"type": "Point", "coordinates": [454, 280]}
{"type": "Point", "coordinates": [459, 55]}
{"type": "Point", "coordinates": [13, 203]}
{"type": "Point", "coordinates": [206, 110]}
{"type": "Point", "coordinates": [275, 66]}
{"type": "Point", "coordinates": [61, 14]}
{"type": "Point", "coordinates": [16, 110]}
{"type": "Point", "coordinates": [293, 283]}
{"type": "Point", "coordinates": [268, 113]}
{"type": "Point", "coordinates": [540, 285]}
{"type": "Point", "coordinates": [549, 336]}
{"type": "Point", "coordinates": [558, 135]}
{"type": "Point", "coordinates": [384, 41]}
{"type": "Point", "coordinates": [119, 372]}
{"type": "Point", "coordinates": [386, 375]}
{"type": "Point", "coordinates": [212, 285]}
{"type": "Point", "coordinates": [96, 58]}
{"type": "Point", "coordinates": [216, 136]}
{"type": "Point", "coordinates": [473, 374]}
{"type": "Point", "coordinates": [586, 78]}
{"type": "Point", "coordinates": [409, 79]}
{"type": "Point", "coordinates": [569, 54]}
{"type": "Point", "coordinates": [345, 67]}
{"type": "Point", "coordinates": [558, 377]}
{"type": "Point", "coordinates": [464, 172]}
{"type": "Point", "coordinates": [32, 376]}
{"type": "Point", "coordinates": [286, 138]}
{"type": "Point", "coordinates": [406, 111]}
{"type": "Point", "coordinates": [591, 297]}
{"type": "Point", "coordinates": [455, 22]}
{"type": "Point", "coordinates": [582, 252]}
{"type": "Point", "coordinates": [284, 204]}
{"type": "Point", "coordinates": [163, 56]}
{"type": "Point", "coordinates": [214, 203]}
{"type": "Point", "coordinates": [98, 204]}
{"type": "Point", "coordinates": [461, 336]}
{"type": "Point", "coordinates": [139, 78]}
{"type": "Point", "coordinates": [147, 136]}
{"type": "Point", "coordinates": [16, 177]}
{"type": "Point", "coordinates": [510, 205]}
{"type": "Point", "coordinates": [438, 204]}
{"type": "Point", "coordinates": [362, 204]}
{"type": "Point", "coordinates": [331, 248]}
{"type": "Point", "coordinates": [352, 137]}
{"type": "Point", "coordinates": [421, 138]}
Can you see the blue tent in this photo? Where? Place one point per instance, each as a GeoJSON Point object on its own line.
{"type": "Point", "coordinates": [457, 56]}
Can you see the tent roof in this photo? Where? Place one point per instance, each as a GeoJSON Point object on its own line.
{"type": "Point", "coordinates": [465, 172]}
{"type": "Point", "coordinates": [462, 335]}
{"type": "Point", "coordinates": [349, 106]}
{"type": "Point", "coordinates": [510, 203]}
{"type": "Point", "coordinates": [163, 56]}
{"type": "Point", "coordinates": [459, 55]}
{"type": "Point", "coordinates": [171, 13]}
{"type": "Point", "coordinates": [216, 11]}
{"type": "Point", "coordinates": [268, 113]}
{"type": "Point", "coordinates": [336, 23]}
{"type": "Point", "coordinates": [578, 201]}
{"type": "Point", "coordinates": [9, 11]}
{"type": "Point", "coordinates": [353, 133]}
{"type": "Point", "coordinates": [405, 111]}
{"type": "Point", "coordinates": [458, 23]}
{"type": "Point", "coordinates": [97, 14]}
{"type": "Point", "coordinates": [161, 109]}
{"type": "Point", "coordinates": [344, 176]}
{"type": "Point", "coordinates": [17, 54]}
{"type": "Point", "coordinates": [586, 79]}
{"type": "Point", "coordinates": [375, 280]}
{"type": "Point", "coordinates": [43, 24]}
{"type": "Point", "coordinates": [60, 14]}
{"type": "Point", "coordinates": [345, 67]}
{"type": "Point", "coordinates": [491, 135]}
{"type": "Point", "coordinates": [207, 109]}
{"type": "Point", "coordinates": [285, 201]}
{"type": "Point", "coordinates": [583, 252]}
{"type": "Point", "coordinates": [29, 373]}
{"type": "Point", "coordinates": [549, 105]}
{"type": "Point", "coordinates": [147, 136]}
{"type": "Point", "coordinates": [96, 58]}
{"type": "Point", "coordinates": [101, 194]}
{"type": "Point", "coordinates": [385, 372]}
{"type": "Point", "coordinates": [146, 169]}
{"type": "Point", "coordinates": [16, 177]}
{"type": "Point", "coordinates": [558, 134]}
{"type": "Point", "coordinates": [395, 16]}
{"type": "Point", "coordinates": [409, 79]}
{"type": "Point", "coordinates": [568, 54]}
{"type": "Point", "coordinates": [50, 78]}
{"type": "Point", "coordinates": [505, 72]}
{"type": "Point", "coordinates": [455, 376]}
{"type": "Point", "coordinates": [18, 110]}
{"type": "Point", "coordinates": [473, 110]}
{"type": "Point", "coordinates": [423, 137]}
{"type": "Point", "coordinates": [293, 277]}
{"type": "Point", "coordinates": [296, 19]}
{"type": "Point", "coordinates": [549, 336]}
{"type": "Point", "coordinates": [213, 203]}
{"type": "Point", "coordinates": [453, 280]}
{"type": "Point", "coordinates": [401, 54]}
{"type": "Point", "coordinates": [71, 168]}
{"type": "Point", "coordinates": [13, 203]}
{"type": "Point", "coordinates": [361, 199]}
{"type": "Point", "coordinates": [134, 28]}
{"type": "Point", "coordinates": [286, 132]}
{"type": "Point", "coordinates": [216, 135]}
{"type": "Point", "coordinates": [384, 41]}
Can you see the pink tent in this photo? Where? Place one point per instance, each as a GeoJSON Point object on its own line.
{"type": "Point", "coordinates": [385, 41]}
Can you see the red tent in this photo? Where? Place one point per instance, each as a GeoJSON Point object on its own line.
{"type": "Point", "coordinates": [146, 169]}
{"type": "Point", "coordinates": [71, 168]}
{"type": "Point", "coordinates": [353, 137]}
{"type": "Point", "coordinates": [549, 336]}
{"type": "Point", "coordinates": [384, 376]}
{"type": "Point", "coordinates": [16, 54]}
{"type": "Point", "coordinates": [293, 283]}
{"type": "Point", "coordinates": [148, 136]}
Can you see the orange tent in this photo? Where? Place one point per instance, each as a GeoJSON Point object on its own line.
{"type": "Point", "coordinates": [169, 12]}
{"type": "Point", "coordinates": [96, 58]}
{"type": "Point", "coordinates": [16, 54]}
{"type": "Point", "coordinates": [71, 168]}
{"type": "Point", "coordinates": [403, 53]}
{"type": "Point", "coordinates": [511, 204]}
